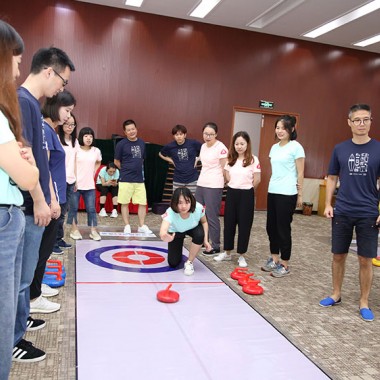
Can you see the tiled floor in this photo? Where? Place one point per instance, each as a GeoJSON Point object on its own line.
{"type": "Point", "coordinates": [336, 339]}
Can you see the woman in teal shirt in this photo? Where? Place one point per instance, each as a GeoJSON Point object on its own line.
{"type": "Point", "coordinates": [287, 158]}
{"type": "Point", "coordinates": [17, 168]}
{"type": "Point", "coordinates": [185, 216]}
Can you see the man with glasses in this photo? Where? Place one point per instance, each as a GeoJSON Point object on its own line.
{"type": "Point", "coordinates": [356, 162]}
{"type": "Point", "coordinates": [49, 74]}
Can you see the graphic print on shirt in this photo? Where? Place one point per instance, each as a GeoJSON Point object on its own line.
{"type": "Point", "coordinates": [358, 163]}
{"type": "Point", "coordinates": [44, 141]}
{"type": "Point", "coordinates": [183, 154]}
{"type": "Point", "coordinates": [136, 151]}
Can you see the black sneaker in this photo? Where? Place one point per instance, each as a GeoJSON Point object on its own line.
{"type": "Point", "coordinates": [62, 244]}
{"type": "Point", "coordinates": [213, 252]}
{"type": "Point", "coordinates": [34, 324]}
{"type": "Point", "coordinates": [25, 352]}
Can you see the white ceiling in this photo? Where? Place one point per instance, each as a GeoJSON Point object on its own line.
{"type": "Point", "coordinates": [306, 16]}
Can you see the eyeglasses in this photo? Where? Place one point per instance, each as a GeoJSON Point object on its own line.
{"type": "Point", "coordinates": [73, 125]}
{"type": "Point", "coordinates": [358, 122]}
{"type": "Point", "coordinates": [65, 82]}
{"type": "Point", "coordinates": [209, 134]}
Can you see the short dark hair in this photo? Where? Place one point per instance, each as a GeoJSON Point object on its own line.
{"type": "Point", "coordinates": [358, 107]}
{"type": "Point", "coordinates": [111, 165]}
{"type": "Point", "coordinates": [289, 124]}
{"type": "Point", "coordinates": [52, 105]}
{"type": "Point", "coordinates": [187, 194]}
{"type": "Point", "coordinates": [86, 131]}
{"type": "Point", "coordinates": [128, 122]}
{"type": "Point", "coordinates": [179, 128]}
{"type": "Point", "coordinates": [50, 57]}
{"type": "Point", "coordinates": [211, 125]}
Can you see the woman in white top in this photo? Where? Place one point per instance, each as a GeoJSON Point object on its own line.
{"type": "Point", "coordinates": [17, 169]}
{"type": "Point", "coordinates": [287, 159]}
{"type": "Point", "coordinates": [67, 134]}
{"type": "Point", "coordinates": [211, 182]}
{"type": "Point", "coordinates": [243, 175]}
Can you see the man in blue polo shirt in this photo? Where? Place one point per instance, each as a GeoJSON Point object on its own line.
{"type": "Point", "coordinates": [49, 74]}
{"type": "Point", "coordinates": [182, 153]}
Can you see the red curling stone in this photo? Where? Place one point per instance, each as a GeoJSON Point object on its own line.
{"type": "Point", "coordinates": [167, 295]}
{"type": "Point", "coordinates": [253, 289]}
{"type": "Point", "coordinates": [238, 273]}
{"type": "Point", "coordinates": [246, 278]}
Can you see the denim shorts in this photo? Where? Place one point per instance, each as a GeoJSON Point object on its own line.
{"type": "Point", "coordinates": [366, 235]}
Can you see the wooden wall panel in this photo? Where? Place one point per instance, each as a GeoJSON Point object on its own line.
{"type": "Point", "coordinates": [163, 71]}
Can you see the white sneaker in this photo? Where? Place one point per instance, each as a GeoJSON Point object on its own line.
{"type": "Point", "coordinates": [242, 263]}
{"type": "Point", "coordinates": [103, 212]}
{"type": "Point", "coordinates": [223, 256]}
{"type": "Point", "coordinates": [144, 229]}
{"type": "Point", "coordinates": [42, 305]}
{"type": "Point", "coordinates": [113, 213]}
{"type": "Point", "coordinates": [127, 229]}
{"type": "Point", "coordinates": [47, 291]}
{"type": "Point", "coordinates": [95, 236]}
{"type": "Point", "coordinates": [189, 268]}
{"type": "Point", "coordinates": [76, 235]}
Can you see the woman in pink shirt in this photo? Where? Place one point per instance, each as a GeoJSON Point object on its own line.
{"type": "Point", "coordinates": [88, 159]}
{"type": "Point", "coordinates": [243, 175]}
{"type": "Point", "coordinates": [211, 182]}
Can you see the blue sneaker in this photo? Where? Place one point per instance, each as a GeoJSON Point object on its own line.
{"type": "Point", "coordinates": [62, 244]}
{"type": "Point", "coordinates": [57, 250]}
{"type": "Point", "coordinates": [269, 266]}
{"type": "Point", "coordinates": [280, 271]}
{"type": "Point", "coordinates": [328, 301]}
{"type": "Point", "coordinates": [367, 314]}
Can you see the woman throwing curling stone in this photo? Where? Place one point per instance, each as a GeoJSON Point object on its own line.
{"type": "Point", "coordinates": [185, 216]}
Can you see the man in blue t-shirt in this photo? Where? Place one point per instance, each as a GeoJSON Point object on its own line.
{"type": "Point", "coordinates": [182, 153]}
{"type": "Point", "coordinates": [49, 74]}
{"type": "Point", "coordinates": [356, 162]}
{"type": "Point", "coordinates": [129, 158]}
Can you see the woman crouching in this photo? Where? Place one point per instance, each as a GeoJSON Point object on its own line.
{"type": "Point", "coordinates": [185, 216]}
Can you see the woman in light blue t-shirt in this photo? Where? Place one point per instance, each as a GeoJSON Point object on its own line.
{"type": "Point", "coordinates": [17, 169]}
{"type": "Point", "coordinates": [185, 216]}
{"type": "Point", "coordinates": [287, 159]}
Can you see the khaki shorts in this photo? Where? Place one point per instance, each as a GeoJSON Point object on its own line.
{"type": "Point", "coordinates": [131, 190]}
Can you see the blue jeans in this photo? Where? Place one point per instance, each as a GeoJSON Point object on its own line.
{"type": "Point", "coordinates": [12, 227]}
{"type": "Point", "coordinates": [89, 201]}
{"type": "Point", "coordinates": [64, 208]}
{"type": "Point", "coordinates": [32, 242]}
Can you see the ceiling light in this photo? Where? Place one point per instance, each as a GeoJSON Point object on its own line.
{"type": "Point", "coordinates": [134, 3]}
{"type": "Point", "coordinates": [204, 8]}
{"type": "Point", "coordinates": [274, 12]}
{"type": "Point", "coordinates": [348, 17]}
{"type": "Point", "coordinates": [368, 41]}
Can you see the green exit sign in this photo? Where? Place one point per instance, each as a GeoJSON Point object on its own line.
{"type": "Point", "coordinates": [266, 104]}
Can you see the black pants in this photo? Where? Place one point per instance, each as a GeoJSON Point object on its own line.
{"type": "Point", "coordinates": [175, 247]}
{"type": "Point", "coordinates": [238, 211]}
{"type": "Point", "coordinates": [280, 209]}
{"type": "Point", "coordinates": [48, 241]}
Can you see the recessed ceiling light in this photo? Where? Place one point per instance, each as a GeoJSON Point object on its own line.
{"type": "Point", "coordinates": [134, 3]}
{"type": "Point", "coordinates": [348, 17]}
{"type": "Point", "coordinates": [204, 8]}
{"type": "Point", "coordinates": [274, 12]}
{"type": "Point", "coordinates": [368, 41]}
